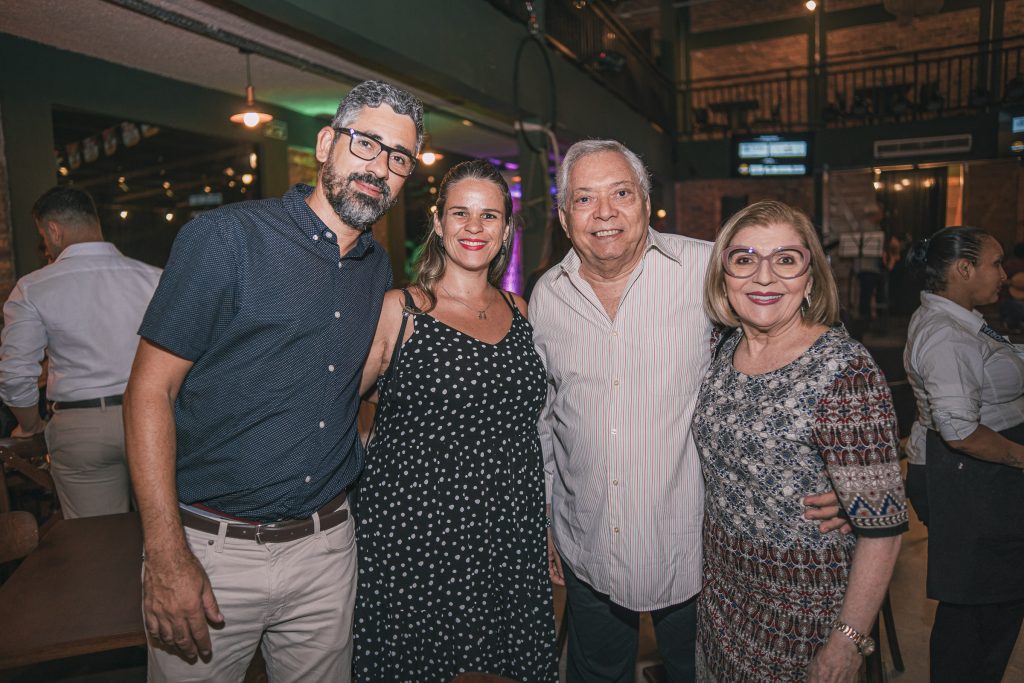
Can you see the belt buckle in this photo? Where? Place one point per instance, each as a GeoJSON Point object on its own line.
{"type": "Point", "coordinates": [259, 534]}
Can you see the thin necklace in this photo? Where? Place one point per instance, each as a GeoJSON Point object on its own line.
{"type": "Point", "coordinates": [481, 314]}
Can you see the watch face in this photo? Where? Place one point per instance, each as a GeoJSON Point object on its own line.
{"type": "Point", "coordinates": [867, 647]}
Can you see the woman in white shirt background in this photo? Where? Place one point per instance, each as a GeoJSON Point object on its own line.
{"type": "Point", "coordinates": [968, 382]}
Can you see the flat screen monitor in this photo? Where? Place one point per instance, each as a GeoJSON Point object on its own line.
{"type": "Point", "coordinates": [1011, 132]}
{"type": "Point", "coordinates": [771, 155]}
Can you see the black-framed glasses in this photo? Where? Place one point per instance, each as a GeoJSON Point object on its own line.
{"type": "Point", "coordinates": [787, 262]}
{"type": "Point", "coordinates": [368, 148]}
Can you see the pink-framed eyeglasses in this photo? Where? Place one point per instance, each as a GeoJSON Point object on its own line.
{"type": "Point", "coordinates": [787, 262]}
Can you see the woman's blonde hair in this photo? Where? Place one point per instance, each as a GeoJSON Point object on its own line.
{"type": "Point", "coordinates": [432, 261]}
{"type": "Point", "coordinates": [824, 297]}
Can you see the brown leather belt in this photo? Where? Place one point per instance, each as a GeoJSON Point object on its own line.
{"type": "Point", "coordinates": [272, 532]}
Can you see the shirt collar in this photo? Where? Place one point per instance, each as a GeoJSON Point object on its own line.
{"type": "Point", "coordinates": [655, 240]}
{"type": "Point", "coordinates": [971, 319]}
{"type": "Point", "coordinates": [87, 249]}
{"type": "Point", "coordinates": [314, 228]}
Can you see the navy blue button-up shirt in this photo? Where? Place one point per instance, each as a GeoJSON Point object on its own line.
{"type": "Point", "coordinates": [278, 327]}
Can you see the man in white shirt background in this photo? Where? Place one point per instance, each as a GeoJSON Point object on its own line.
{"type": "Point", "coordinates": [82, 312]}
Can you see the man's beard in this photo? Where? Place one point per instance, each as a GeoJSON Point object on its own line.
{"type": "Point", "coordinates": [354, 208]}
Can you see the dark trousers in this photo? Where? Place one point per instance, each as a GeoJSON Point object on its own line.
{"type": "Point", "coordinates": [974, 642]}
{"type": "Point", "coordinates": [872, 284]}
{"type": "Point", "coordinates": [917, 491]}
{"type": "Point", "coordinates": [603, 637]}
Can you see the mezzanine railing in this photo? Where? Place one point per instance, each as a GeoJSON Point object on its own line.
{"type": "Point", "coordinates": [924, 84]}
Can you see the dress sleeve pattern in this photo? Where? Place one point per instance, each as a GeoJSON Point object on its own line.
{"type": "Point", "coordinates": [855, 430]}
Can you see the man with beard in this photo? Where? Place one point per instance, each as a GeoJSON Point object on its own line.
{"type": "Point", "coordinates": [240, 413]}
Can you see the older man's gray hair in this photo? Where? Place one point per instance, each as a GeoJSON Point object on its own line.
{"type": "Point", "coordinates": [585, 148]}
{"type": "Point", "coordinates": [373, 94]}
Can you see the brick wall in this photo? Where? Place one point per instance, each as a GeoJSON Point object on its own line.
{"type": "Point", "coordinates": [1013, 18]}
{"type": "Point", "coordinates": [839, 5]}
{"type": "Point", "coordinates": [939, 30]}
{"type": "Point", "coordinates": [944, 29]}
{"type": "Point", "coordinates": [699, 202]}
{"type": "Point", "coordinates": [778, 53]}
{"type": "Point", "coordinates": [710, 16]}
{"type": "Point", "coordinates": [992, 192]}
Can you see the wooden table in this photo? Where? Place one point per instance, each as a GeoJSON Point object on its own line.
{"type": "Point", "coordinates": [79, 592]}
{"type": "Point", "coordinates": [736, 111]}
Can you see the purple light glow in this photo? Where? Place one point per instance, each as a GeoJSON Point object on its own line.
{"type": "Point", "coordinates": [512, 166]}
{"type": "Point", "coordinates": [513, 280]}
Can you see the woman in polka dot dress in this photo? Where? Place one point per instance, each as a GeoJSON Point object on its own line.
{"type": "Point", "coordinates": [452, 552]}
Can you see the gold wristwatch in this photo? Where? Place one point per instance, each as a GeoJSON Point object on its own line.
{"type": "Point", "coordinates": [865, 644]}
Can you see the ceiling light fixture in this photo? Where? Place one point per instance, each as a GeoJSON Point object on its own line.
{"type": "Point", "coordinates": [251, 116]}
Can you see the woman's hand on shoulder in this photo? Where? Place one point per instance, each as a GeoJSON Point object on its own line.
{"type": "Point", "coordinates": [837, 662]}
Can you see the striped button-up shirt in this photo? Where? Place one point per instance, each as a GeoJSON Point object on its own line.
{"type": "Point", "coordinates": [624, 476]}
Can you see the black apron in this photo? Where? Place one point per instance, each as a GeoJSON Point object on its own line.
{"type": "Point", "coordinates": [975, 526]}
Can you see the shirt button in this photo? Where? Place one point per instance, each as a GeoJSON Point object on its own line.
{"type": "Point", "coordinates": [308, 478]}
{"type": "Point", "coordinates": [616, 529]}
{"type": "Point", "coordinates": [615, 482]}
{"type": "Point", "coordinates": [615, 432]}
{"type": "Point", "coordinates": [330, 368]}
{"type": "Point", "coordinates": [339, 264]}
{"type": "Point", "coordinates": [322, 424]}
{"type": "Point", "coordinates": [616, 382]}
{"type": "Point", "coordinates": [316, 237]}
{"type": "Point", "coordinates": [615, 333]}
{"type": "Point", "coordinates": [337, 314]}
{"type": "Point", "coordinates": [329, 234]}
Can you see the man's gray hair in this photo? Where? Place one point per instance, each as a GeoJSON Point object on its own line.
{"type": "Point", "coordinates": [373, 94]}
{"type": "Point", "coordinates": [585, 148]}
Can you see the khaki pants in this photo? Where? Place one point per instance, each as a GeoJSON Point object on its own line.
{"type": "Point", "coordinates": [87, 461]}
{"type": "Point", "coordinates": [297, 597]}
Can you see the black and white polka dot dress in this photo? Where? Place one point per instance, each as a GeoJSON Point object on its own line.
{"type": "Point", "coordinates": [452, 550]}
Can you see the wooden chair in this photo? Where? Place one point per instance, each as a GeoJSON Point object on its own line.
{"type": "Point", "coordinates": [19, 535]}
{"type": "Point", "coordinates": [22, 458]}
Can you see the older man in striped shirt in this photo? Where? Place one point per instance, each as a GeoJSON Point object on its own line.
{"type": "Point", "coordinates": [621, 327]}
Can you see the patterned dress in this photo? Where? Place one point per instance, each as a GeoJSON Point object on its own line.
{"type": "Point", "coordinates": [452, 545]}
{"type": "Point", "coordinates": [773, 584]}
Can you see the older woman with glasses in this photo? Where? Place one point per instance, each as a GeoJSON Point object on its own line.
{"type": "Point", "coordinates": [789, 404]}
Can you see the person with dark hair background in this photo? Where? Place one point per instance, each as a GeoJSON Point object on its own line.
{"type": "Point", "coordinates": [452, 547]}
{"type": "Point", "coordinates": [969, 440]}
{"type": "Point", "coordinates": [82, 311]}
